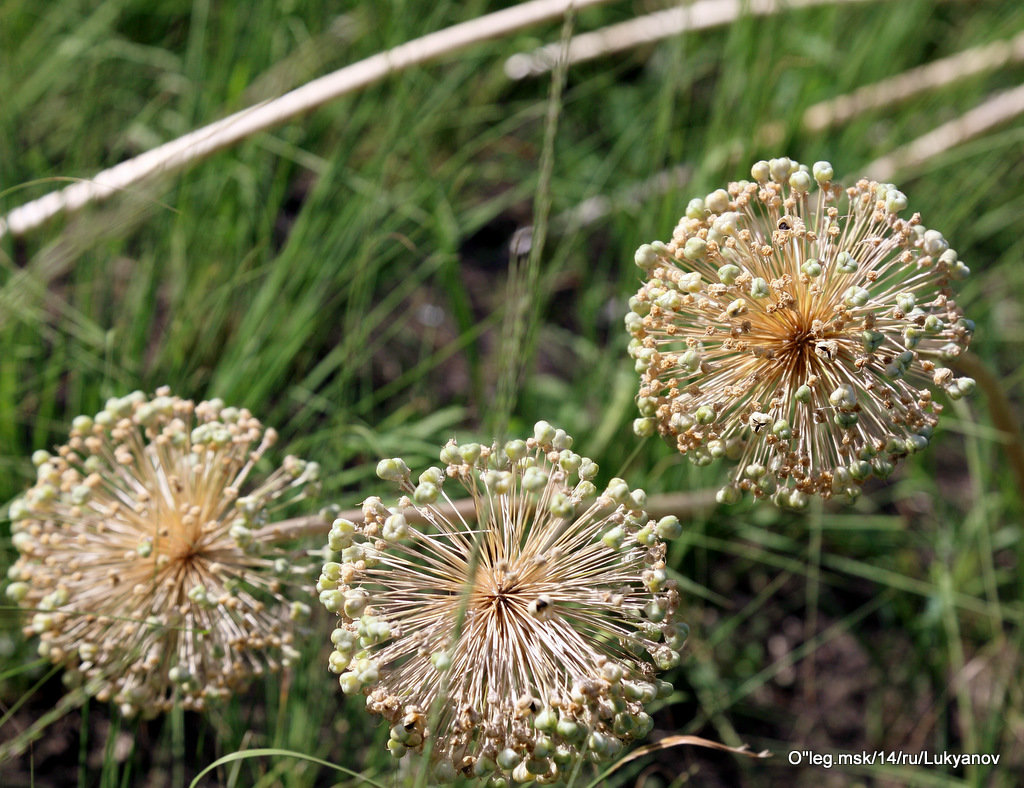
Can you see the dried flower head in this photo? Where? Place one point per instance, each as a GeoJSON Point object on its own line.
{"type": "Point", "coordinates": [798, 329]}
{"type": "Point", "coordinates": [527, 638]}
{"type": "Point", "coordinates": [141, 554]}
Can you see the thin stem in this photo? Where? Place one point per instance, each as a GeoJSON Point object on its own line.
{"type": "Point", "coordinates": [812, 593]}
{"type": "Point", "coordinates": [524, 296]}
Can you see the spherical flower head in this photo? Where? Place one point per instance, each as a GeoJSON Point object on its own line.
{"type": "Point", "coordinates": [142, 557]}
{"type": "Point", "coordinates": [799, 329]}
{"type": "Point", "coordinates": [518, 641]}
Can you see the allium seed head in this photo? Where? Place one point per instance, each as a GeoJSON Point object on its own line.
{"type": "Point", "coordinates": [822, 323]}
{"type": "Point", "coordinates": [142, 556]}
{"type": "Point", "coordinates": [527, 638]}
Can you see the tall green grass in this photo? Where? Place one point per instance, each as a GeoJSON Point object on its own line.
{"type": "Point", "coordinates": [344, 276]}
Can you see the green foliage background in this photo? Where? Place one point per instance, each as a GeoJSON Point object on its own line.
{"type": "Point", "coordinates": [344, 277]}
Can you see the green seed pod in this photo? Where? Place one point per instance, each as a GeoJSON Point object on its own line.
{"type": "Point", "coordinates": [669, 527]}
{"type": "Point", "coordinates": [450, 454]}
{"type": "Point", "coordinates": [782, 430]}
{"type": "Point", "coordinates": [395, 528]}
{"type": "Point", "coordinates": [800, 181]}
{"type": "Point", "coordinates": [623, 725]}
{"type": "Point", "coordinates": [545, 720]}
{"type": "Point", "coordinates": [695, 249]}
{"type": "Point", "coordinates": [675, 636]}
{"type": "Point", "coordinates": [542, 748]}
{"type": "Point", "coordinates": [508, 759]}
{"type": "Point", "coordinates": [470, 453]}
{"type": "Point", "coordinates": [483, 766]}
{"type": "Point", "coordinates": [355, 601]}
{"type": "Point", "coordinates": [705, 414]}
{"type": "Point", "coordinates": [906, 302]}
{"type": "Point", "coordinates": [844, 396]}
{"type": "Point", "coordinates": [882, 467]}
{"type": "Point", "coordinates": [912, 336]}
{"type": "Point", "coordinates": [759, 288]}
{"type": "Point", "coordinates": [690, 360]}
{"type": "Point", "coordinates": [570, 730]}
{"type": "Point", "coordinates": [797, 500]}
{"type": "Point", "coordinates": [670, 300]}
{"type": "Point", "coordinates": [845, 263]}
{"type": "Point", "coordinates": [617, 490]}
{"type": "Point", "coordinates": [695, 209]}
{"type": "Point", "coordinates": [643, 724]}
{"type": "Point", "coordinates": [562, 505]}
{"type": "Point", "coordinates": [393, 469]}
{"type": "Point", "coordinates": [349, 683]}
{"type": "Point", "coordinates": [811, 268]}
{"type": "Point", "coordinates": [655, 611]}
{"type": "Point", "coordinates": [760, 172]}
{"type": "Point", "coordinates": [727, 273]}
{"type": "Point", "coordinates": [646, 257]}
{"type": "Point", "coordinates": [872, 340]}
{"type": "Point", "coordinates": [498, 482]}
{"type": "Point", "coordinates": [717, 201]}
{"type": "Point", "coordinates": [754, 470]}
{"type": "Point", "coordinates": [646, 536]}
{"type": "Point", "coordinates": [780, 168]}
{"type": "Point", "coordinates": [534, 479]}
{"type": "Point", "coordinates": [933, 243]}
{"type": "Point", "coordinates": [665, 658]}
{"type": "Point", "coordinates": [856, 296]}
{"type": "Point", "coordinates": [425, 493]}
{"type": "Point", "coordinates": [895, 201]}
{"type": "Point", "coordinates": [433, 476]}
{"type": "Point", "coordinates": [729, 494]}
{"type": "Point", "coordinates": [441, 661]}
{"type": "Point", "coordinates": [613, 537]}
{"type": "Point", "coordinates": [690, 283]}
{"type": "Point", "coordinates": [337, 662]}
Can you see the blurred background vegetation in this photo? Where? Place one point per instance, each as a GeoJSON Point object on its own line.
{"type": "Point", "coordinates": [346, 277]}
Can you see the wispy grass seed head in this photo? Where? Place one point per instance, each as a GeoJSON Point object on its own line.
{"type": "Point", "coordinates": [141, 555]}
{"type": "Point", "coordinates": [528, 637]}
{"type": "Point", "coordinates": [799, 329]}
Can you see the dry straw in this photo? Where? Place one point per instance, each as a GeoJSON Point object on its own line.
{"type": "Point", "coordinates": [209, 139]}
{"type": "Point", "coordinates": [648, 29]}
{"type": "Point", "coordinates": [511, 647]}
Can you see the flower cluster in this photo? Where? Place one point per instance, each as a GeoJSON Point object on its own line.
{"type": "Point", "coordinates": [512, 646]}
{"type": "Point", "coordinates": [798, 329]}
{"type": "Point", "coordinates": [142, 557]}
